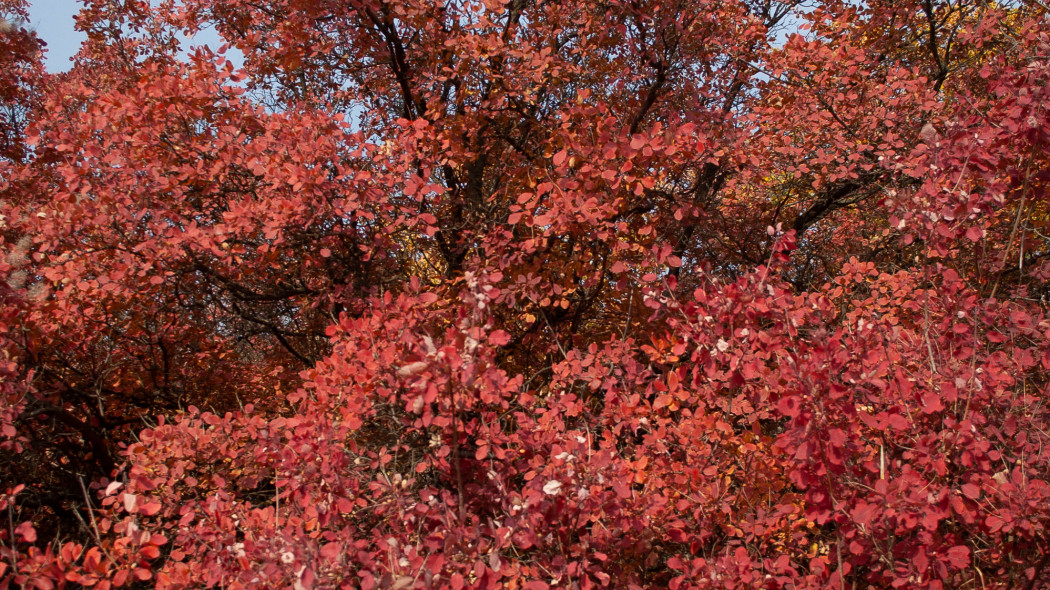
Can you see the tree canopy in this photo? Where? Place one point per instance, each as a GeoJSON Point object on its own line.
{"type": "Point", "coordinates": [527, 294]}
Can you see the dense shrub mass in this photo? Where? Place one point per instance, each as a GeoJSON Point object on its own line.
{"type": "Point", "coordinates": [527, 294]}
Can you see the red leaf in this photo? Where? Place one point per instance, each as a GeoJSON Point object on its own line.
{"type": "Point", "coordinates": [897, 421]}
{"type": "Point", "coordinates": [27, 532]}
{"type": "Point", "coordinates": [864, 512]}
{"type": "Point", "coordinates": [789, 406]}
{"type": "Point", "coordinates": [499, 338]}
{"type": "Point", "coordinates": [994, 523]}
{"type": "Point", "coordinates": [931, 403]}
{"type": "Point", "coordinates": [959, 556]}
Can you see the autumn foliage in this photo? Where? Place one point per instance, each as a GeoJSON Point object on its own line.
{"type": "Point", "coordinates": [527, 294]}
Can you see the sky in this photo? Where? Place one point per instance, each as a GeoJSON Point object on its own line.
{"type": "Point", "coordinates": [53, 22]}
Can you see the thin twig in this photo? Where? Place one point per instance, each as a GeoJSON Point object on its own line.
{"type": "Point", "coordinates": [11, 528]}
